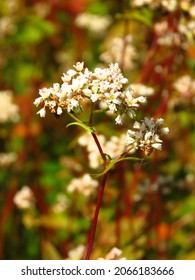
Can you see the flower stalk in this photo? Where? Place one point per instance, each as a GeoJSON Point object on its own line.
{"type": "Point", "coordinates": [95, 218]}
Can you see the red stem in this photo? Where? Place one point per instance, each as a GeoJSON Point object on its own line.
{"type": "Point", "coordinates": [99, 147]}
{"type": "Point", "coordinates": [95, 218]}
{"type": "Point", "coordinates": [100, 193]}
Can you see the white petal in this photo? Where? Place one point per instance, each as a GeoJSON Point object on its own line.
{"type": "Point", "coordinates": [56, 87]}
{"type": "Point", "coordinates": [94, 97]}
{"type": "Point", "coordinates": [156, 138]}
{"type": "Point", "coordinates": [164, 130]}
{"type": "Point", "coordinates": [87, 92]}
{"type": "Point", "coordinates": [141, 99]}
{"type": "Point", "coordinates": [118, 119]}
{"type": "Point", "coordinates": [137, 125]}
{"type": "Point", "coordinates": [42, 112]}
{"type": "Point", "coordinates": [71, 72]}
{"type": "Point", "coordinates": [148, 135]}
{"type": "Point", "coordinates": [59, 111]}
{"type": "Point", "coordinates": [79, 66]}
{"type": "Point", "coordinates": [157, 146]}
{"type": "Point", "coordinates": [38, 101]}
{"type": "Point", "coordinates": [159, 121]}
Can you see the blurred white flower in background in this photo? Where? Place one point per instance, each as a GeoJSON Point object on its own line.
{"type": "Point", "coordinates": [8, 110]}
{"type": "Point", "coordinates": [6, 159]}
{"type": "Point", "coordinates": [96, 24]}
{"type": "Point", "coordinates": [114, 254]}
{"type": "Point", "coordinates": [76, 253]}
{"type": "Point", "coordinates": [24, 198]}
{"type": "Point", "coordinates": [85, 185]}
{"type": "Point", "coordinates": [121, 51]}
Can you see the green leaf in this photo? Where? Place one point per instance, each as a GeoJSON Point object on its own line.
{"type": "Point", "coordinates": [83, 125]}
{"type": "Point", "coordinates": [111, 164]}
{"type": "Point", "coordinates": [144, 16]}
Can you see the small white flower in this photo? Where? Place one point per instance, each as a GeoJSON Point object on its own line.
{"type": "Point", "coordinates": [71, 72]}
{"type": "Point", "coordinates": [65, 90]}
{"type": "Point", "coordinates": [164, 130]}
{"type": "Point", "coordinates": [137, 125]}
{"type": "Point", "coordinates": [133, 101]}
{"type": "Point", "coordinates": [79, 66]}
{"type": "Point", "coordinates": [112, 107]}
{"type": "Point", "coordinates": [72, 104]}
{"type": "Point", "coordinates": [159, 121]}
{"type": "Point", "coordinates": [66, 78]}
{"type": "Point", "coordinates": [87, 92]}
{"type": "Point", "coordinates": [59, 111]}
{"type": "Point", "coordinates": [118, 119]}
{"type": "Point", "coordinates": [56, 87]}
{"type": "Point", "coordinates": [38, 101]}
{"type": "Point", "coordinates": [44, 93]}
{"type": "Point", "coordinates": [157, 146]}
{"type": "Point", "coordinates": [76, 84]}
{"type": "Point", "coordinates": [42, 112]}
{"type": "Point", "coordinates": [124, 80]}
{"type": "Point", "coordinates": [141, 99]}
{"type": "Point", "coordinates": [94, 97]}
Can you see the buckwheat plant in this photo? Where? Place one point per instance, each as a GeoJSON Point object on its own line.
{"type": "Point", "coordinates": [107, 90]}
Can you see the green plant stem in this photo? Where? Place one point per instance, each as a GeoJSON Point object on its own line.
{"type": "Point", "coordinates": [95, 136]}
{"type": "Point", "coordinates": [74, 117]}
{"type": "Point", "coordinates": [95, 218]}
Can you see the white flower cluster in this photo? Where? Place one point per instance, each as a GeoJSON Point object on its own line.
{"type": "Point", "coordinates": [120, 50]}
{"type": "Point", "coordinates": [166, 37]}
{"type": "Point", "coordinates": [169, 5]}
{"type": "Point", "coordinates": [8, 110]}
{"type": "Point", "coordinates": [7, 159]}
{"type": "Point", "coordinates": [187, 28]}
{"type": "Point", "coordinates": [115, 146]}
{"type": "Point", "coordinates": [85, 185]}
{"type": "Point", "coordinates": [24, 199]}
{"type": "Point", "coordinates": [114, 254]}
{"type": "Point", "coordinates": [170, 39]}
{"type": "Point", "coordinates": [102, 85]}
{"type": "Point", "coordinates": [146, 135]}
{"type": "Point", "coordinates": [96, 24]}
